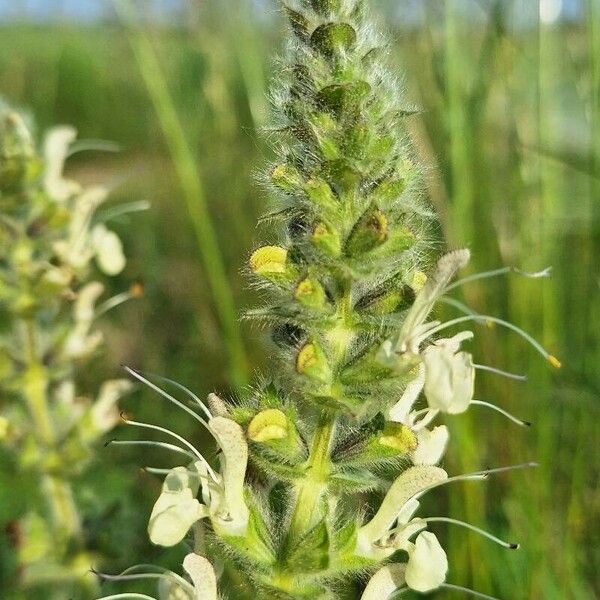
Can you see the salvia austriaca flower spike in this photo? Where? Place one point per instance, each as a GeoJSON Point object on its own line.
{"type": "Point", "coordinates": [50, 233]}
{"type": "Point", "coordinates": [339, 442]}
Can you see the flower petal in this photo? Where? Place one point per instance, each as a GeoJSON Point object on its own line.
{"type": "Point", "coordinates": [431, 445]}
{"type": "Point", "coordinates": [385, 582]}
{"type": "Point", "coordinates": [176, 509]}
{"type": "Point", "coordinates": [203, 576]}
{"type": "Point", "coordinates": [232, 512]}
{"type": "Point", "coordinates": [427, 564]}
{"type": "Point", "coordinates": [406, 485]}
{"type": "Point", "coordinates": [109, 250]}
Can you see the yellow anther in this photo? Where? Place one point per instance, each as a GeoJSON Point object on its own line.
{"type": "Point", "coordinates": [554, 361]}
{"type": "Point", "coordinates": [268, 260]}
{"type": "Point", "coordinates": [267, 425]}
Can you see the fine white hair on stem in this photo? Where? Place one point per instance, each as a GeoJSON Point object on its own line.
{"type": "Point", "coordinates": [502, 412]}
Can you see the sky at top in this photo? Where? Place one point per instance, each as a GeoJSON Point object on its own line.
{"type": "Point", "coordinates": [411, 11]}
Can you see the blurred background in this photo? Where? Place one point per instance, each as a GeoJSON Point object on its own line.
{"type": "Point", "coordinates": [510, 128]}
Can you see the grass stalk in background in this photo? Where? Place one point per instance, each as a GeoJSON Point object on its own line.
{"type": "Point", "coordinates": [186, 167]}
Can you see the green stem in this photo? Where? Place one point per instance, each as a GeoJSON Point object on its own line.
{"type": "Point", "coordinates": [185, 164]}
{"type": "Point", "coordinates": [311, 489]}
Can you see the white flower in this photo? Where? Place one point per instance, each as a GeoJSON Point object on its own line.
{"type": "Point", "coordinates": [177, 508]}
{"type": "Point", "coordinates": [108, 249]}
{"type": "Point", "coordinates": [385, 582]}
{"type": "Point", "coordinates": [427, 563]}
{"type": "Point", "coordinates": [376, 539]}
{"type": "Point", "coordinates": [449, 375]}
{"type": "Point", "coordinates": [203, 577]}
{"type": "Point", "coordinates": [431, 444]}
{"type": "Point", "coordinates": [81, 342]}
{"type": "Point", "coordinates": [104, 412]}
{"type": "Point", "coordinates": [56, 150]}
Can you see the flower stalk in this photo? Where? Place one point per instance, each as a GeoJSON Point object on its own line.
{"type": "Point", "coordinates": [337, 443]}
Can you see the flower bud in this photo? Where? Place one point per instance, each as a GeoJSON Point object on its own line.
{"type": "Point", "coordinates": [310, 293]}
{"type": "Point", "coordinates": [312, 362]}
{"type": "Point", "coordinates": [267, 425]}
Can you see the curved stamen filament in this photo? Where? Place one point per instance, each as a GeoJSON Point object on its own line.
{"type": "Point", "coordinates": [127, 596]}
{"type": "Point", "coordinates": [496, 272]}
{"type": "Point", "coordinates": [164, 445]}
{"type": "Point", "coordinates": [482, 532]}
{"type": "Point", "coordinates": [113, 303]}
{"type": "Point", "coordinates": [137, 576]}
{"type": "Point", "coordinates": [501, 372]}
{"type": "Point", "coordinates": [140, 377]}
{"type": "Point", "coordinates": [502, 412]}
{"type": "Point", "coordinates": [460, 588]}
{"type": "Point", "coordinates": [177, 437]}
{"type": "Point", "coordinates": [488, 319]}
{"type": "Point", "coordinates": [187, 391]}
{"type": "Point", "coordinates": [477, 476]}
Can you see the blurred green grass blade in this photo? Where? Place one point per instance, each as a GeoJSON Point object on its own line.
{"type": "Point", "coordinates": [185, 164]}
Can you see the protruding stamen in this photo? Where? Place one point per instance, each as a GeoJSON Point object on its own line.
{"type": "Point", "coordinates": [127, 596]}
{"type": "Point", "coordinates": [488, 319]}
{"type": "Point", "coordinates": [477, 476]}
{"type": "Point", "coordinates": [137, 576]}
{"type": "Point", "coordinates": [177, 437]}
{"type": "Point", "coordinates": [135, 291]}
{"type": "Point", "coordinates": [185, 390]}
{"type": "Point", "coordinates": [482, 532]}
{"type": "Point", "coordinates": [156, 470]}
{"type": "Point", "coordinates": [501, 372]}
{"type": "Point", "coordinates": [502, 412]}
{"type": "Point", "coordinates": [503, 271]}
{"type": "Point", "coordinates": [140, 377]}
{"type": "Point", "coordinates": [459, 588]}
{"type": "Point", "coordinates": [165, 445]}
